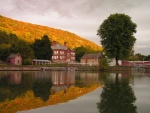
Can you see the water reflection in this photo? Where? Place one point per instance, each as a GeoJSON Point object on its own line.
{"type": "Point", "coordinates": [12, 85]}
{"type": "Point", "coordinates": [42, 89]}
{"type": "Point", "coordinates": [31, 89]}
{"type": "Point", "coordinates": [62, 80]}
{"type": "Point", "coordinates": [117, 95]}
{"type": "Point", "coordinates": [15, 83]}
{"type": "Point", "coordinates": [85, 78]}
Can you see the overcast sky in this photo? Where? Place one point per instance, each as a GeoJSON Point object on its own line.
{"type": "Point", "coordinates": [82, 17]}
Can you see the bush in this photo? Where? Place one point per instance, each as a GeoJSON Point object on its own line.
{"type": "Point", "coordinates": [27, 61]}
{"type": "Point", "coordinates": [103, 64]}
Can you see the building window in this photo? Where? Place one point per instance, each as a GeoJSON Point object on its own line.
{"type": "Point", "coordinates": [62, 52]}
{"type": "Point", "coordinates": [72, 53]}
{"type": "Point", "coordinates": [54, 57]}
{"type": "Point", "coordinates": [72, 58]}
{"type": "Point", "coordinates": [61, 57]}
{"type": "Point", "coordinates": [55, 52]}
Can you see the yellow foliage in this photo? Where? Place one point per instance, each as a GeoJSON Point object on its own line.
{"type": "Point", "coordinates": [30, 32]}
{"type": "Point", "coordinates": [28, 101]}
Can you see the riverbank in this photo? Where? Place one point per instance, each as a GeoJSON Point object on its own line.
{"type": "Point", "coordinates": [66, 68]}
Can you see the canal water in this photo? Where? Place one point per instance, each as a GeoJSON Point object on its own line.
{"type": "Point", "coordinates": [120, 92]}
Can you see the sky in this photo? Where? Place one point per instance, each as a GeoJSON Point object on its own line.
{"type": "Point", "coordinates": [82, 17]}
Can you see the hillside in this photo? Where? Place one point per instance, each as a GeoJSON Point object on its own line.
{"type": "Point", "coordinates": [29, 32]}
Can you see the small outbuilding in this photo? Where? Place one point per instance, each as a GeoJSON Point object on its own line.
{"type": "Point", "coordinates": [40, 61]}
{"type": "Point", "coordinates": [14, 59]}
{"type": "Point", "coordinates": [91, 59]}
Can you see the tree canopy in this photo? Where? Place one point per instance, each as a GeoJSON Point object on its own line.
{"type": "Point", "coordinates": [9, 43]}
{"type": "Point", "coordinates": [42, 48]}
{"type": "Point", "coordinates": [80, 51]}
{"type": "Point", "coordinates": [117, 36]}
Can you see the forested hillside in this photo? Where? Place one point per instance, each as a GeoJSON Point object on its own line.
{"type": "Point", "coordinates": [29, 32]}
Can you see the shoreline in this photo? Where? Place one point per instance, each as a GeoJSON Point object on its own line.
{"type": "Point", "coordinates": [71, 68]}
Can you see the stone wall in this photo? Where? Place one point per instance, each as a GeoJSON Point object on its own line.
{"type": "Point", "coordinates": [20, 68]}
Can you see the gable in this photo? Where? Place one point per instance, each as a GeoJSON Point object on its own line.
{"type": "Point", "coordinates": [12, 55]}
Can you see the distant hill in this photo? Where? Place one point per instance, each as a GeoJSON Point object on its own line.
{"type": "Point", "coordinates": [29, 32]}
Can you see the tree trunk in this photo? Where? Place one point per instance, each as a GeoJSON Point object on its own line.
{"type": "Point", "coordinates": [117, 64]}
{"type": "Point", "coordinates": [117, 81]}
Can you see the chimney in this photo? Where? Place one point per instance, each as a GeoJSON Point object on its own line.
{"type": "Point", "coordinates": [54, 43]}
{"type": "Point", "coordinates": [65, 43]}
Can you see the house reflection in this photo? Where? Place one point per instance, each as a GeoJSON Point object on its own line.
{"type": "Point", "coordinates": [62, 80]}
{"type": "Point", "coordinates": [15, 77]}
{"type": "Point", "coordinates": [41, 76]}
{"type": "Point", "coordinates": [89, 77]}
{"type": "Point", "coordinates": [12, 77]}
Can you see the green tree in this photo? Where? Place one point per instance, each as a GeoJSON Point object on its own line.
{"type": "Point", "coordinates": [116, 33]}
{"type": "Point", "coordinates": [80, 51]}
{"type": "Point", "coordinates": [4, 51]}
{"type": "Point", "coordinates": [23, 48]}
{"type": "Point", "coordinates": [140, 56]}
{"type": "Point", "coordinates": [42, 48]}
{"type": "Point", "coordinates": [4, 38]}
{"type": "Point", "coordinates": [8, 39]}
{"type": "Point", "coordinates": [13, 38]}
{"type": "Point", "coordinates": [147, 58]}
{"type": "Point", "coordinates": [103, 64]}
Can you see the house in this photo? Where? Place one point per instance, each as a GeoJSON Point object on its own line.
{"type": "Point", "coordinates": [62, 53]}
{"type": "Point", "coordinates": [14, 59]}
{"type": "Point", "coordinates": [91, 59]}
{"type": "Point", "coordinates": [135, 63]}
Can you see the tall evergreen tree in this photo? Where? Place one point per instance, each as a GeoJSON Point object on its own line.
{"type": "Point", "coordinates": [42, 48]}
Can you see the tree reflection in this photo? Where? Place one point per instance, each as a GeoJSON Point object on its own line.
{"type": "Point", "coordinates": [42, 89]}
{"type": "Point", "coordinates": [117, 97]}
{"type": "Point", "coordinates": [9, 89]}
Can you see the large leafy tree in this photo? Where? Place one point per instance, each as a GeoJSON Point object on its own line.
{"type": "Point", "coordinates": [117, 36]}
{"type": "Point", "coordinates": [42, 48]}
